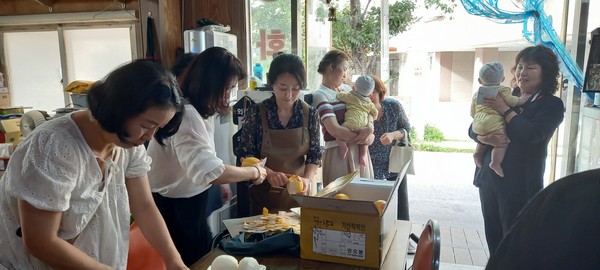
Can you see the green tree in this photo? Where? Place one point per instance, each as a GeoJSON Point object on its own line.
{"type": "Point", "coordinates": [357, 31]}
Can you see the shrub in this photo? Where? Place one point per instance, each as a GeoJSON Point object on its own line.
{"type": "Point", "coordinates": [426, 147]}
{"type": "Point", "coordinates": [413, 135]}
{"type": "Point", "coordinates": [432, 134]}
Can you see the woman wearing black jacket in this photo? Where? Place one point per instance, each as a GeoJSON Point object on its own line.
{"type": "Point", "coordinates": [529, 129]}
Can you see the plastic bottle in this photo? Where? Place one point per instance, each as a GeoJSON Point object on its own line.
{"type": "Point", "coordinates": [258, 71]}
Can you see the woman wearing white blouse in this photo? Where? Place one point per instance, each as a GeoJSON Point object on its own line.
{"type": "Point", "coordinates": [187, 165]}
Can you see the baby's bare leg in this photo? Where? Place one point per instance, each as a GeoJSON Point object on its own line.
{"type": "Point", "coordinates": [498, 156]}
{"type": "Point", "coordinates": [342, 148]}
{"type": "Point", "coordinates": [362, 154]}
{"type": "Point", "coordinates": [478, 155]}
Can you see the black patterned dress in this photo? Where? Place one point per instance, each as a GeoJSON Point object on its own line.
{"type": "Point", "coordinates": [393, 118]}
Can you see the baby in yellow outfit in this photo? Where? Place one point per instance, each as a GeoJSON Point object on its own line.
{"type": "Point", "coordinates": [358, 109]}
{"type": "Point", "coordinates": [486, 120]}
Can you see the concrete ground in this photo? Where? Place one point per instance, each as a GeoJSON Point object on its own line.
{"type": "Point", "coordinates": [442, 189]}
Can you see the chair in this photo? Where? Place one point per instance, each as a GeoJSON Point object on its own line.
{"type": "Point", "coordinates": [142, 256]}
{"type": "Point", "coordinates": [427, 256]}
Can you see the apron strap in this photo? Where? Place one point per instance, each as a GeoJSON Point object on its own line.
{"type": "Point", "coordinates": [265, 125]}
{"type": "Point", "coordinates": [306, 111]}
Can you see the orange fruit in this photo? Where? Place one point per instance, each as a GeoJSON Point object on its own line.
{"type": "Point", "coordinates": [342, 196]}
{"type": "Point", "coordinates": [295, 185]}
{"type": "Point", "coordinates": [380, 204]}
{"type": "Point", "coordinates": [249, 161]}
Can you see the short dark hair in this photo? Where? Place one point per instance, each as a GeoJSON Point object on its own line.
{"type": "Point", "coordinates": [547, 60]}
{"type": "Point", "coordinates": [334, 58]}
{"type": "Point", "coordinates": [203, 83]}
{"type": "Point", "coordinates": [182, 62]}
{"type": "Point", "coordinates": [129, 91]}
{"type": "Point", "coordinates": [287, 63]}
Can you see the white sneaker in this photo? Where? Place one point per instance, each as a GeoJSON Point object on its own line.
{"type": "Point", "coordinates": [412, 247]}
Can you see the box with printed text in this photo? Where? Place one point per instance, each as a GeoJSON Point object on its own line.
{"type": "Point", "coordinates": [349, 231]}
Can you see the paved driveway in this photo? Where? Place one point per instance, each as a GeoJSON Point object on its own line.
{"type": "Point", "coordinates": [442, 189]}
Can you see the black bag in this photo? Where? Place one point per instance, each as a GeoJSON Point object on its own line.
{"type": "Point", "coordinates": [250, 244]}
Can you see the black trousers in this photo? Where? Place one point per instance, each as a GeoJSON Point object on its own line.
{"type": "Point", "coordinates": [501, 202]}
{"type": "Point", "coordinates": [403, 213]}
{"type": "Point", "coordinates": [186, 221]}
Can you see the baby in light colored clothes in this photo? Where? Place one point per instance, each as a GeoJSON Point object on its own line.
{"type": "Point", "coordinates": [486, 120]}
{"type": "Point", "coordinates": [358, 109]}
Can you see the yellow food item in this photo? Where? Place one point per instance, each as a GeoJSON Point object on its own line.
{"type": "Point", "coordinates": [342, 196]}
{"type": "Point", "coordinates": [295, 185]}
{"type": "Point", "coordinates": [380, 204]}
{"type": "Point", "coordinates": [250, 161]}
{"type": "Point", "coordinates": [265, 211]}
{"type": "Point", "coordinates": [79, 87]}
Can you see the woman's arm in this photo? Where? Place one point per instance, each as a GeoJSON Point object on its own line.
{"type": "Point", "coordinates": [328, 118]}
{"type": "Point", "coordinates": [233, 174]}
{"type": "Point", "coordinates": [402, 124]}
{"type": "Point", "coordinates": [40, 237]}
{"type": "Point", "coordinates": [150, 221]}
{"type": "Point", "coordinates": [493, 139]}
{"type": "Point", "coordinates": [339, 132]}
{"type": "Point", "coordinates": [365, 134]}
{"type": "Point", "coordinates": [543, 117]}
{"type": "Point", "coordinates": [389, 137]}
{"type": "Point", "coordinates": [315, 150]}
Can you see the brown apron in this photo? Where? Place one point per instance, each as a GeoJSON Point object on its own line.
{"type": "Point", "coordinates": [285, 150]}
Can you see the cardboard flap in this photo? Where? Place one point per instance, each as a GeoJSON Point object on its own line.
{"type": "Point", "coordinates": [337, 184]}
{"type": "Point", "coordinates": [351, 206]}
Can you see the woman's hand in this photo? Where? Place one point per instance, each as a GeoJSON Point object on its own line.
{"type": "Point", "coordinates": [386, 138]}
{"type": "Point", "coordinates": [362, 135]}
{"type": "Point", "coordinates": [277, 179]}
{"type": "Point", "coordinates": [496, 103]}
{"type": "Point", "coordinates": [226, 193]}
{"type": "Point", "coordinates": [306, 183]}
{"type": "Point", "coordinates": [495, 139]}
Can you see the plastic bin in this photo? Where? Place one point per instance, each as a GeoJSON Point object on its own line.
{"type": "Point", "coordinates": [79, 100]}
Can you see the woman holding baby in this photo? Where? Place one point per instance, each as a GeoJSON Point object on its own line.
{"type": "Point", "coordinates": [333, 67]}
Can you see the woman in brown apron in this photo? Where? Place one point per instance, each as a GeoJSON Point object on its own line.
{"type": "Point", "coordinates": [284, 129]}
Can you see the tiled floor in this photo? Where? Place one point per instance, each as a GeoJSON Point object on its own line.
{"type": "Point", "coordinates": [460, 247]}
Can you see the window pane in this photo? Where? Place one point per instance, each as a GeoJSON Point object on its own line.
{"type": "Point", "coordinates": [33, 69]}
{"type": "Point", "coordinates": [271, 31]}
{"type": "Point", "coordinates": [319, 39]}
{"type": "Point", "coordinates": [93, 53]}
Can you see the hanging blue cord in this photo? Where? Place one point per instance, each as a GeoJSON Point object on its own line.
{"type": "Point", "coordinates": [531, 10]}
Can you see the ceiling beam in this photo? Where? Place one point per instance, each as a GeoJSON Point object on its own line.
{"type": "Point", "coordinates": [47, 3]}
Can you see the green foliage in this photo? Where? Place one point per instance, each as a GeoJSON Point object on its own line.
{"type": "Point", "coordinates": [432, 134]}
{"type": "Point", "coordinates": [428, 147]}
{"type": "Point", "coordinates": [413, 134]}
